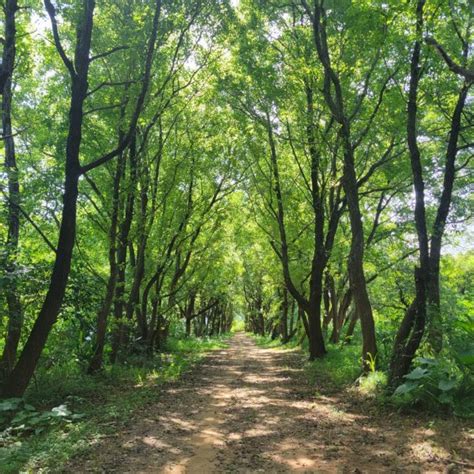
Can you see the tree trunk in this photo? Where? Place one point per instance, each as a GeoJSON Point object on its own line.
{"type": "Point", "coordinates": [96, 361]}
{"type": "Point", "coordinates": [17, 382]}
{"type": "Point", "coordinates": [411, 330]}
{"type": "Point", "coordinates": [334, 98]}
{"type": "Point", "coordinates": [356, 259]}
{"type": "Point", "coordinates": [409, 335]}
{"type": "Point", "coordinates": [14, 306]}
{"type": "Point", "coordinates": [350, 328]}
{"type": "Point", "coordinates": [435, 332]}
{"type": "Point", "coordinates": [317, 347]}
{"type": "Point", "coordinates": [284, 316]}
{"type": "Point", "coordinates": [134, 297]}
{"type": "Point", "coordinates": [119, 300]}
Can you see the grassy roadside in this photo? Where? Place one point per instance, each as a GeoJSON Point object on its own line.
{"type": "Point", "coordinates": [338, 370]}
{"type": "Point", "coordinates": [438, 388]}
{"type": "Point", "coordinates": [105, 402]}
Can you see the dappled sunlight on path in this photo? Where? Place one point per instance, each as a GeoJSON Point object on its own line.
{"type": "Point", "coordinates": [247, 409]}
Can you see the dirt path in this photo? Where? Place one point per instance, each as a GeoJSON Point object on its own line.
{"type": "Point", "coordinates": [247, 409]}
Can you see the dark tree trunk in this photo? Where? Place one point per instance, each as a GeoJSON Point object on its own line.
{"type": "Point", "coordinates": [333, 95]}
{"type": "Point", "coordinates": [134, 297]}
{"type": "Point", "coordinates": [356, 257]}
{"type": "Point", "coordinates": [317, 347]}
{"type": "Point", "coordinates": [284, 316]}
{"type": "Point", "coordinates": [14, 306]}
{"type": "Point", "coordinates": [410, 334]}
{"type": "Point", "coordinates": [292, 319]}
{"type": "Point", "coordinates": [339, 315]}
{"type": "Point", "coordinates": [327, 303]}
{"type": "Point", "coordinates": [432, 289]}
{"type": "Point", "coordinates": [351, 327]}
{"type": "Point", "coordinates": [302, 317]}
{"type": "Point", "coordinates": [311, 306]}
{"type": "Point", "coordinates": [96, 361]}
{"type": "Point", "coordinates": [123, 241]}
{"type": "Point", "coordinates": [333, 306]}
{"type": "Point", "coordinates": [19, 378]}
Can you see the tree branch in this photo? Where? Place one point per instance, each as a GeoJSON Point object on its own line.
{"type": "Point", "coordinates": [57, 41]}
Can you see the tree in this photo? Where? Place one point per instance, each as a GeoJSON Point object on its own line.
{"type": "Point", "coordinates": [19, 378]}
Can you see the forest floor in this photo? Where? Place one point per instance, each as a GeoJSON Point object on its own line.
{"type": "Point", "coordinates": [249, 409]}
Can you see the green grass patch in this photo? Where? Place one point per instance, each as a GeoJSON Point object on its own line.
{"type": "Point", "coordinates": [339, 368]}
{"type": "Point", "coordinates": [373, 384]}
{"type": "Point", "coordinates": [268, 342]}
{"type": "Point", "coordinates": [107, 400]}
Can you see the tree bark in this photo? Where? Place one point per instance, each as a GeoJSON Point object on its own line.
{"type": "Point", "coordinates": [334, 98]}
{"type": "Point", "coordinates": [18, 380]}
{"type": "Point", "coordinates": [284, 315]}
{"type": "Point", "coordinates": [96, 361]}
{"type": "Point", "coordinates": [14, 305]}
{"type": "Point", "coordinates": [123, 241]}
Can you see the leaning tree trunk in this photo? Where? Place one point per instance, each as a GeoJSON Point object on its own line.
{"type": "Point", "coordinates": [433, 287]}
{"type": "Point", "coordinates": [17, 382]}
{"type": "Point", "coordinates": [409, 335]}
{"type": "Point", "coordinates": [411, 330]}
{"type": "Point", "coordinates": [356, 258]}
{"type": "Point", "coordinates": [334, 97]}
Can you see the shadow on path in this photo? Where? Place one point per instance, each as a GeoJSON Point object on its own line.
{"type": "Point", "coordinates": [247, 409]}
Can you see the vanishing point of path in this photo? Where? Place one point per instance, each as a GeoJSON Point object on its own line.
{"type": "Point", "coordinates": [245, 409]}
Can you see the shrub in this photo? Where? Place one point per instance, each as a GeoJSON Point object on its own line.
{"type": "Point", "coordinates": [440, 383]}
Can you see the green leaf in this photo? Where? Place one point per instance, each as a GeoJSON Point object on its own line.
{"type": "Point", "coordinates": [10, 404]}
{"type": "Point", "coordinates": [446, 384]}
{"type": "Point", "coordinates": [445, 398]}
{"type": "Point", "coordinates": [417, 374]}
{"type": "Point", "coordinates": [405, 388]}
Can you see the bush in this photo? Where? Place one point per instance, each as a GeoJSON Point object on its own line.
{"type": "Point", "coordinates": [19, 418]}
{"type": "Point", "coordinates": [439, 383]}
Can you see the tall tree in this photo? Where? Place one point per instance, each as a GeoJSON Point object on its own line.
{"type": "Point", "coordinates": [15, 310]}
{"type": "Point", "coordinates": [425, 308]}
{"type": "Point", "coordinates": [18, 380]}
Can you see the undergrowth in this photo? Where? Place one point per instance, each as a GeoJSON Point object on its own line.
{"type": "Point", "coordinates": [437, 385]}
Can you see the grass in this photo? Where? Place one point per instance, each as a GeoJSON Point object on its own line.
{"type": "Point", "coordinates": [107, 400]}
{"type": "Point", "coordinates": [266, 341]}
{"type": "Point", "coordinates": [337, 370]}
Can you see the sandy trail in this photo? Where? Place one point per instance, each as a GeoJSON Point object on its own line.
{"type": "Point", "coordinates": [246, 409]}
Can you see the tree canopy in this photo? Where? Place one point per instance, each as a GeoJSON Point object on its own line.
{"type": "Point", "coordinates": [170, 168]}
